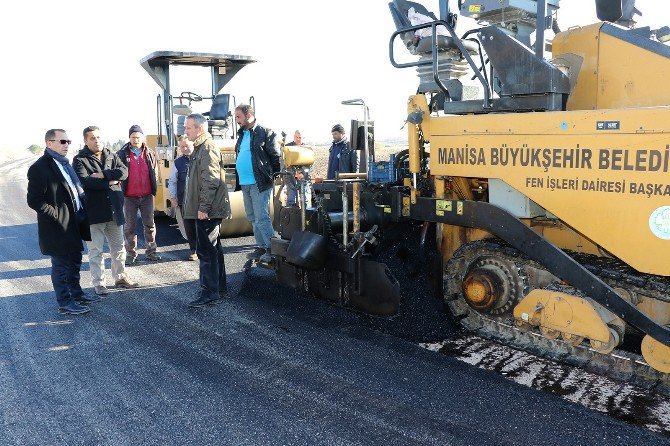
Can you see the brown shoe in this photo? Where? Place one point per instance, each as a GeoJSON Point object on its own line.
{"type": "Point", "coordinates": [101, 290]}
{"type": "Point", "coordinates": [193, 256]}
{"type": "Point", "coordinates": [125, 282]}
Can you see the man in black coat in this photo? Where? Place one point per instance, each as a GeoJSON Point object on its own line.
{"type": "Point", "coordinates": [55, 193]}
{"type": "Point", "coordinates": [341, 159]}
{"type": "Point", "coordinates": [101, 172]}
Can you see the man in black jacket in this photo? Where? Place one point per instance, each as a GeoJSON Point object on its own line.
{"type": "Point", "coordinates": [257, 162]}
{"type": "Point", "coordinates": [55, 193]}
{"type": "Point", "coordinates": [341, 159]}
{"type": "Point", "coordinates": [101, 173]}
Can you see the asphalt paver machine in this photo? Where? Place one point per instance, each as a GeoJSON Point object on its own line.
{"type": "Point", "coordinates": [541, 189]}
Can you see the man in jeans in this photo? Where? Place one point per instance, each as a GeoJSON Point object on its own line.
{"type": "Point", "coordinates": [206, 201]}
{"type": "Point", "coordinates": [257, 162]}
{"type": "Point", "coordinates": [101, 173]}
{"type": "Point", "coordinates": [139, 190]}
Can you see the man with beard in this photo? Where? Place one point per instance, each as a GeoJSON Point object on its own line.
{"type": "Point", "coordinates": [257, 162]}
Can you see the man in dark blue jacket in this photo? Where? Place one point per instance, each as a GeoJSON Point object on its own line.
{"type": "Point", "coordinates": [257, 162]}
{"type": "Point", "coordinates": [341, 158]}
{"type": "Point", "coordinates": [55, 193]}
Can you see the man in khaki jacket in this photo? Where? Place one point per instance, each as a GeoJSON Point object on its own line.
{"type": "Point", "coordinates": [206, 201]}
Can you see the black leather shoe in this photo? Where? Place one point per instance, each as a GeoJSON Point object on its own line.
{"type": "Point", "coordinates": [73, 308]}
{"type": "Point", "coordinates": [203, 301]}
{"type": "Point", "coordinates": [87, 299]}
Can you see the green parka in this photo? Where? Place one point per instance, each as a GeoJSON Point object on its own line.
{"type": "Point", "coordinates": [206, 189]}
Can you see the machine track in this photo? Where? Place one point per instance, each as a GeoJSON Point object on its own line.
{"type": "Point", "coordinates": [621, 365]}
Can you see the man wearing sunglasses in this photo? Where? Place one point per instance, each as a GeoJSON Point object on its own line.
{"type": "Point", "coordinates": [101, 172]}
{"type": "Point", "coordinates": [55, 193]}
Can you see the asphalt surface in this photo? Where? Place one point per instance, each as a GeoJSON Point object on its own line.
{"type": "Point", "coordinates": [268, 366]}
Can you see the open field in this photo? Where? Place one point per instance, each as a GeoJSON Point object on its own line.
{"type": "Point", "coordinates": [320, 167]}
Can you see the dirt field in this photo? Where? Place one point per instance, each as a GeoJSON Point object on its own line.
{"type": "Point", "coordinates": [320, 167]}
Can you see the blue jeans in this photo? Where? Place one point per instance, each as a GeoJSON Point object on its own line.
{"type": "Point", "coordinates": [210, 253]}
{"type": "Point", "coordinates": [292, 195]}
{"type": "Point", "coordinates": [65, 277]}
{"type": "Point", "coordinates": [257, 207]}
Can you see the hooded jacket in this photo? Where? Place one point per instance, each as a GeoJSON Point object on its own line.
{"type": "Point", "coordinates": [104, 202]}
{"type": "Point", "coordinates": [206, 188]}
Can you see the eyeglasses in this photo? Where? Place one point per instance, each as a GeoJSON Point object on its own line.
{"type": "Point", "coordinates": [62, 141]}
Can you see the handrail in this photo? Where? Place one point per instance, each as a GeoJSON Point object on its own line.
{"type": "Point", "coordinates": [159, 118]}
{"type": "Point", "coordinates": [435, 63]}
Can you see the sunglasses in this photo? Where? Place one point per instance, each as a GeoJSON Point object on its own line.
{"type": "Point", "coordinates": [62, 141]}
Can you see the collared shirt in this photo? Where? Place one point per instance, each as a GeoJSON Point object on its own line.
{"type": "Point", "coordinates": [73, 189]}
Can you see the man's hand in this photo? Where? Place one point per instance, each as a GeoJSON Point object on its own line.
{"type": "Point", "coordinates": [202, 215]}
{"type": "Point", "coordinates": [97, 175]}
{"type": "Point", "coordinates": [174, 202]}
{"type": "Point", "coordinates": [113, 182]}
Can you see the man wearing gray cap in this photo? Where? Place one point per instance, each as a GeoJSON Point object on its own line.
{"type": "Point", "coordinates": [139, 190]}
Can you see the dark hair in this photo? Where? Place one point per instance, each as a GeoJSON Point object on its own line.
{"type": "Point", "coordinates": [246, 109]}
{"type": "Point", "coordinates": [51, 134]}
{"type": "Point", "coordinates": [90, 128]}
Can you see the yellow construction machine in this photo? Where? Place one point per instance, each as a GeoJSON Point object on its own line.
{"type": "Point", "coordinates": [223, 67]}
{"type": "Point", "coordinates": [545, 186]}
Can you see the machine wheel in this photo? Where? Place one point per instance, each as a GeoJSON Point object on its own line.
{"type": "Point", "coordinates": [606, 347]}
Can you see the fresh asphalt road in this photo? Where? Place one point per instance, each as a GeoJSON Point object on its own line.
{"type": "Point", "coordinates": [266, 367]}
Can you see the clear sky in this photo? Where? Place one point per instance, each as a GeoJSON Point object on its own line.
{"type": "Point", "coordinates": [73, 63]}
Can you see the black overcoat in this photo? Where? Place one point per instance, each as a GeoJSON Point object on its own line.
{"type": "Point", "coordinates": [58, 230]}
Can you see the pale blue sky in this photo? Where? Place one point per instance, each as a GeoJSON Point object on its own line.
{"type": "Point", "coordinates": [71, 64]}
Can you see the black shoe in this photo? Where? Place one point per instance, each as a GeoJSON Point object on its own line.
{"type": "Point", "coordinates": [153, 257]}
{"type": "Point", "coordinates": [73, 308]}
{"type": "Point", "coordinates": [256, 253]}
{"type": "Point", "coordinates": [85, 299]}
{"type": "Point", "coordinates": [131, 260]}
{"type": "Point", "coordinates": [203, 301]}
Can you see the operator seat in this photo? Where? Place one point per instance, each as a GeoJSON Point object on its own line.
{"type": "Point", "coordinates": [218, 115]}
{"type": "Point", "coordinates": [415, 45]}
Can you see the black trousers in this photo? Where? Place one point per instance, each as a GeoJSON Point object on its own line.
{"type": "Point", "coordinates": [65, 277]}
{"type": "Point", "coordinates": [210, 253]}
